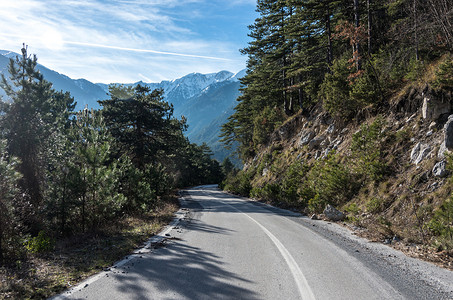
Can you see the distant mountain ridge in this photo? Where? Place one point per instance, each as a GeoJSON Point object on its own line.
{"type": "Point", "coordinates": [83, 91]}
{"type": "Point", "coordinates": [206, 100]}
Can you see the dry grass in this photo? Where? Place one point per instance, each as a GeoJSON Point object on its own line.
{"type": "Point", "coordinates": [78, 257]}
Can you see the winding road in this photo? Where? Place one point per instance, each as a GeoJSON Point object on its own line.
{"type": "Point", "coordinates": [222, 246]}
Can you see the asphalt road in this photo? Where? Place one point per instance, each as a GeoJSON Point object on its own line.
{"type": "Point", "coordinates": [226, 247]}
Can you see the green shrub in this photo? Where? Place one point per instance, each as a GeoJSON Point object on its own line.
{"type": "Point", "coordinates": [444, 76]}
{"type": "Point", "coordinates": [374, 205]}
{"type": "Point", "coordinates": [344, 96]}
{"type": "Point", "coordinates": [392, 65]}
{"type": "Point", "coordinates": [352, 208]}
{"type": "Point", "coordinates": [331, 182]}
{"type": "Point", "coordinates": [365, 89]}
{"type": "Point", "coordinates": [40, 243]}
{"type": "Point", "coordinates": [317, 204]}
{"type": "Point", "coordinates": [270, 192]}
{"type": "Point", "coordinates": [238, 184]}
{"type": "Point", "coordinates": [415, 70]}
{"type": "Point", "coordinates": [366, 150]}
{"type": "Point", "coordinates": [292, 184]}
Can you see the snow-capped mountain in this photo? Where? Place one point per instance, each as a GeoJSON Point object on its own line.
{"type": "Point", "coordinates": [177, 91]}
{"type": "Point", "coordinates": [206, 100]}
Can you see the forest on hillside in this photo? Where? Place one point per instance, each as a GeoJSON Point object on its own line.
{"type": "Point", "coordinates": [343, 55]}
{"type": "Point", "coordinates": [65, 173]}
{"type": "Point", "coordinates": [331, 107]}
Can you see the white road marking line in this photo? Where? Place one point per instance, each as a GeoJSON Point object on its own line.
{"type": "Point", "coordinates": [302, 284]}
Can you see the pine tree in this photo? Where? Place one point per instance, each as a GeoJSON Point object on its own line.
{"type": "Point", "coordinates": [33, 113]}
{"type": "Point", "coordinates": [95, 176]}
{"type": "Point", "coordinates": [10, 201]}
{"type": "Point", "coordinates": [141, 123]}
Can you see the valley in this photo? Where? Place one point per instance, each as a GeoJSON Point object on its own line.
{"type": "Point", "coordinates": [205, 100]}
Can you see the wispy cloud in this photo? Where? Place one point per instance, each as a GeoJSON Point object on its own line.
{"type": "Point", "coordinates": [144, 50]}
{"type": "Point", "coordinates": [129, 39]}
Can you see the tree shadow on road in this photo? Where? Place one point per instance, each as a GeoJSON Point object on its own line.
{"type": "Point", "coordinates": [181, 271]}
{"type": "Point", "coordinates": [197, 225]}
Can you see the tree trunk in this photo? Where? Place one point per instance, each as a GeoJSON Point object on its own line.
{"type": "Point", "coordinates": [357, 25]}
{"type": "Point", "coordinates": [442, 13]}
{"type": "Point", "coordinates": [370, 22]}
{"type": "Point", "coordinates": [1, 250]}
{"type": "Point", "coordinates": [416, 30]}
{"type": "Point", "coordinates": [329, 40]}
{"type": "Point", "coordinates": [285, 96]}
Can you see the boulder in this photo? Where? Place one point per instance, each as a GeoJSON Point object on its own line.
{"type": "Point", "coordinates": [306, 138]}
{"type": "Point", "coordinates": [344, 131]}
{"type": "Point", "coordinates": [334, 145]}
{"type": "Point", "coordinates": [433, 107]}
{"type": "Point", "coordinates": [440, 169]}
{"type": "Point", "coordinates": [333, 214]}
{"type": "Point", "coordinates": [420, 152]}
{"type": "Point", "coordinates": [330, 129]}
{"type": "Point", "coordinates": [314, 217]}
{"type": "Point", "coordinates": [318, 154]}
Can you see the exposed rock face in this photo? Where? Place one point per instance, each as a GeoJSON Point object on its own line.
{"type": "Point", "coordinates": [333, 214]}
{"type": "Point", "coordinates": [442, 150]}
{"type": "Point", "coordinates": [448, 129]}
{"type": "Point", "coordinates": [433, 107]}
{"type": "Point", "coordinates": [420, 152]}
{"type": "Point", "coordinates": [440, 169]}
{"type": "Point", "coordinates": [306, 138]}
{"type": "Point", "coordinates": [314, 143]}
{"type": "Point", "coordinates": [330, 129]}
{"type": "Point", "coordinates": [447, 142]}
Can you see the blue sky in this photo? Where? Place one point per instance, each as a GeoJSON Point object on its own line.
{"type": "Point", "coordinates": [129, 40]}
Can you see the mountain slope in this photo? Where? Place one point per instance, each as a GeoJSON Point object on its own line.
{"type": "Point", "coordinates": [206, 100]}
{"type": "Point", "coordinates": [83, 91]}
{"type": "Point", "coordinates": [207, 112]}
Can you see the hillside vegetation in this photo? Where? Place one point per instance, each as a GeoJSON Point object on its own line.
{"type": "Point", "coordinates": [347, 103]}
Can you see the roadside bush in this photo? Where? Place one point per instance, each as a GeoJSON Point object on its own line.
{"type": "Point", "coordinates": [442, 224]}
{"type": "Point", "coordinates": [40, 243]}
{"type": "Point", "coordinates": [291, 184]}
{"type": "Point", "coordinates": [270, 192]}
{"type": "Point", "coordinates": [331, 182]}
{"type": "Point", "coordinates": [239, 184]}
{"type": "Point", "coordinates": [317, 203]}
